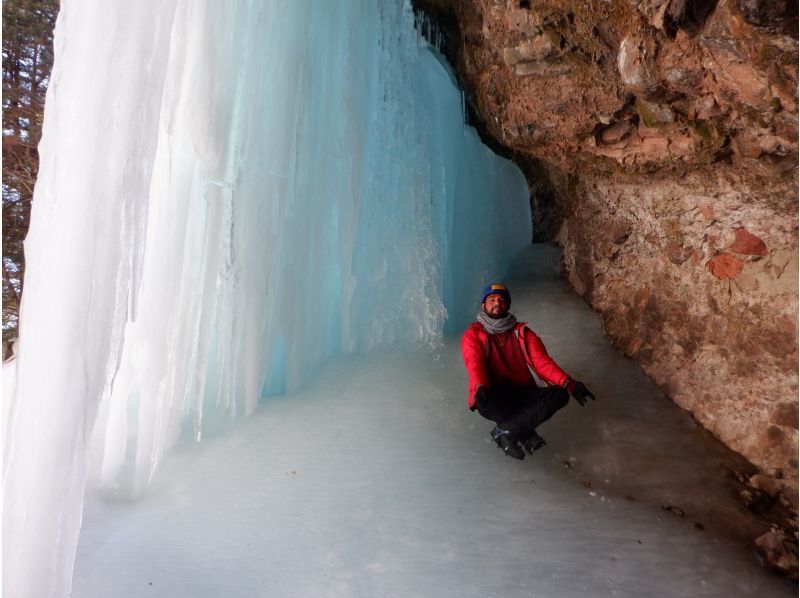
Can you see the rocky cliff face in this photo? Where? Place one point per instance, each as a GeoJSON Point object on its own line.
{"type": "Point", "coordinates": [659, 138]}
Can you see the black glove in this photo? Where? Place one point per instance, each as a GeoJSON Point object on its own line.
{"type": "Point", "coordinates": [580, 392]}
{"type": "Point", "coordinates": [481, 395]}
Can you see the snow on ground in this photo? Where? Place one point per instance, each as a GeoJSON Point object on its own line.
{"type": "Point", "coordinates": [377, 481]}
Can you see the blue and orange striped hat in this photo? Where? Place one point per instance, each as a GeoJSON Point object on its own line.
{"type": "Point", "coordinates": [496, 289]}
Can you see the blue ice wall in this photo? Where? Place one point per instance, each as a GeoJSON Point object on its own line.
{"type": "Point", "coordinates": [315, 192]}
{"type": "Point", "coordinates": [229, 193]}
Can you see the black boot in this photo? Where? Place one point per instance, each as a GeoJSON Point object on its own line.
{"type": "Point", "coordinates": [533, 443]}
{"type": "Point", "coordinates": [510, 447]}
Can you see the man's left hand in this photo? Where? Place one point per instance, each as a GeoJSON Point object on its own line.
{"type": "Point", "coordinates": [580, 393]}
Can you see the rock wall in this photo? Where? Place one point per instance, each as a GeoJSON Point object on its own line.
{"type": "Point", "coordinates": [659, 139]}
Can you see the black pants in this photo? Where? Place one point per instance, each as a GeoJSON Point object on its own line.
{"type": "Point", "coordinates": [521, 409]}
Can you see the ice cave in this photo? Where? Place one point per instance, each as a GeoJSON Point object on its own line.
{"type": "Point", "coordinates": [259, 229]}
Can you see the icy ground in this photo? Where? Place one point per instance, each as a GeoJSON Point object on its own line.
{"type": "Point", "coordinates": [377, 481]}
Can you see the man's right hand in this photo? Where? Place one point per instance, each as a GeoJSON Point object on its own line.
{"type": "Point", "coordinates": [580, 393]}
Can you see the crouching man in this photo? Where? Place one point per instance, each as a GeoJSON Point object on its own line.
{"type": "Point", "coordinates": [501, 355]}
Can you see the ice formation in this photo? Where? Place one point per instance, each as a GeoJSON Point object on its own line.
{"type": "Point", "coordinates": [229, 194]}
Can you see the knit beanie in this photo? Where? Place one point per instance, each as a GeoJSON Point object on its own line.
{"type": "Point", "coordinates": [496, 289]}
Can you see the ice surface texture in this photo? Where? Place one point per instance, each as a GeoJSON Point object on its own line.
{"type": "Point", "coordinates": [229, 194]}
{"type": "Point", "coordinates": [335, 494]}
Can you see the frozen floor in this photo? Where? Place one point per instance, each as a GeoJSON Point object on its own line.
{"type": "Point", "coordinates": [377, 481]}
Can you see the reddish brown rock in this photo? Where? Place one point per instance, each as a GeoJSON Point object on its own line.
{"type": "Point", "coordinates": [573, 83]}
{"type": "Point", "coordinates": [778, 549]}
{"type": "Point", "coordinates": [747, 243]}
{"type": "Point", "coordinates": [677, 253]}
{"type": "Point", "coordinates": [785, 414]}
{"type": "Point", "coordinates": [724, 266]}
{"type": "Point", "coordinates": [774, 435]}
{"type": "Point", "coordinates": [763, 483]}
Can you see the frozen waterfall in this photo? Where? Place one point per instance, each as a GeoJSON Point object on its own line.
{"type": "Point", "coordinates": [230, 193]}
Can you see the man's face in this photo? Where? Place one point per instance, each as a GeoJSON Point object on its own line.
{"type": "Point", "coordinates": [495, 306]}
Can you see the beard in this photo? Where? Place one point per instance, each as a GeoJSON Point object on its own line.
{"type": "Point", "coordinates": [496, 313]}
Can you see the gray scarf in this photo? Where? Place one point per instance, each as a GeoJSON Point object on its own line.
{"type": "Point", "coordinates": [493, 326]}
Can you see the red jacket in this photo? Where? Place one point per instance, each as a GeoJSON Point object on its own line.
{"type": "Point", "coordinates": [475, 349]}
